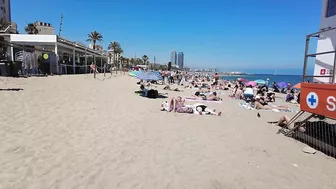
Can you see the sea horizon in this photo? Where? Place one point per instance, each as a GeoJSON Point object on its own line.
{"type": "Point", "coordinates": [293, 79]}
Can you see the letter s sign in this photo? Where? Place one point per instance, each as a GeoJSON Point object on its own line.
{"type": "Point", "coordinates": [331, 103]}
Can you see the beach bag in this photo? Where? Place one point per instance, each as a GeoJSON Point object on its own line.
{"type": "Point", "coordinates": [152, 93]}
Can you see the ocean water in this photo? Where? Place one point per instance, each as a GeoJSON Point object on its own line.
{"type": "Point", "coordinates": [293, 79]}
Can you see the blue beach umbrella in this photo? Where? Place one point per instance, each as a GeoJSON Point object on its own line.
{"type": "Point", "coordinates": [134, 73]}
{"type": "Point", "coordinates": [148, 76]}
{"type": "Point", "coordinates": [158, 74]}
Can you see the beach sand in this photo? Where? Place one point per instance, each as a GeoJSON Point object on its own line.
{"type": "Point", "coordinates": [80, 132]}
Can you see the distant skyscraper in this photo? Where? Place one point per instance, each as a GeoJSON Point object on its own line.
{"type": "Point", "coordinates": [180, 60]}
{"type": "Point", "coordinates": [173, 58]}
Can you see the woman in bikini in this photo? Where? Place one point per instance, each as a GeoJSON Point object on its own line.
{"type": "Point", "coordinates": [257, 105]}
{"type": "Point", "coordinates": [177, 105]}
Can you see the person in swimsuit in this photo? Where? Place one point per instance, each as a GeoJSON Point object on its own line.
{"type": "Point", "coordinates": [257, 105]}
{"type": "Point", "coordinates": [177, 105]}
{"type": "Point", "coordinates": [211, 97]}
{"type": "Point", "coordinates": [204, 110]}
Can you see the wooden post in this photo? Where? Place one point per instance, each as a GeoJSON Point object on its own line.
{"type": "Point", "coordinates": [95, 65]}
{"type": "Point", "coordinates": [85, 62]}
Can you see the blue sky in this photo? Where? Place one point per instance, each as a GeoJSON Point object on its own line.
{"type": "Point", "coordinates": [252, 36]}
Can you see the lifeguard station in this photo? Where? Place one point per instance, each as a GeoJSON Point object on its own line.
{"type": "Point", "coordinates": [318, 98]}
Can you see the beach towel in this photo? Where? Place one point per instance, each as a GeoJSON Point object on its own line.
{"type": "Point", "coordinates": [198, 100]}
{"type": "Point", "coordinates": [249, 107]}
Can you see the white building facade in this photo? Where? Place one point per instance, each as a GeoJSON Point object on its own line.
{"type": "Point", "coordinates": [326, 42]}
{"type": "Point", "coordinates": [97, 47]}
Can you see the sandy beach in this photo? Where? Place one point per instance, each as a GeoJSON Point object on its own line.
{"type": "Point", "coordinates": [79, 132]}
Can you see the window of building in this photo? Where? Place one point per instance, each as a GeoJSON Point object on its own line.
{"type": "Point", "coordinates": [331, 8]}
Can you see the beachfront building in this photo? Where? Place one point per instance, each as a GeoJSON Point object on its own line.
{"type": "Point", "coordinates": [97, 47]}
{"type": "Point", "coordinates": [5, 11]}
{"type": "Point", "coordinates": [173, 58]}
{"type": "Point", "coordinates": [324, 64]}
{"type": "Point", "coordinates": [61, 56]}
{"type": "Point", "coordinates": [44, 28]}
{"type": "Point", "coordinates": [180, 60]}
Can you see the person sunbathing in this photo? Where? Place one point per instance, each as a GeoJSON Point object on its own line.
{"type": "Point", "coordinates": [284, 121]}
{"type": "Point", "coordinates": [270, 96]}
{"type": "Point", "coordinates": [167, 87]}
{"type": "Point", "coordinates": [150, 93]}
{"type": "Point", "coordinates": [211, 97]}
{"type": "Point", "coordinates": [204, 110]}
{"type": "Point", "coordinates": [257, 105]}
{"type": "Point", "coordinates": [177, 105]}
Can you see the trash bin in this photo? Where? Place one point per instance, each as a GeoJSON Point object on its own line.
{"type": "Point", "coordinates": [10, 68]}
{"type": "Point", "coordinates": [16, 67]}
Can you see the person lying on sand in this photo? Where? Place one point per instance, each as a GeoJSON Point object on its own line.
{"type": "Point", "coordinates": [211, 97]}
{"type": "Point", "coordinates": [177, 105]}
{"type": "Point", "coordinates": [257, 105]}
{"type": "Point", "coordinates": [167, 87]}
{"type": "Point", "coordinates": [143, 90]}
{"type": "Point", "coordinates": [150, 93]}
{"type": "Point", "coordinates": [283, 122]}
{"type": "Point", "coordinates": [204, 110]}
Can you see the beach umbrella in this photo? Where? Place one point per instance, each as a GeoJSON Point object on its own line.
{"type": "Point", "coordinates": [134, 73]}
{"type": "Point", "coordinates": [158, 74]}
{"type": "Point", "coordinates": [251, 83]}
{"type": "Point", "coordinates": [148, 76]}
{"type": "Point", "coordinates": [260, 81]}
{"type": "Point", "coordinates": [242, 80]}
{"type": "Point", "coordinates": [297, 86]}
{"type": "Point", "coordinates": [282, 84]}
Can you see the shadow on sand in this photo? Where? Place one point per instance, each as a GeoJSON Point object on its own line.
{"type": "Point", "coordinates": [12, 89]}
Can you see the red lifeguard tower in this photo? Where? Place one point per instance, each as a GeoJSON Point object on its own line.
{"type": "Point", "coordinates": [318, 98]}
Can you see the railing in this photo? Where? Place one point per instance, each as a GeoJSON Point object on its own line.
{"type": "Point", "coordinates": [307, 55]}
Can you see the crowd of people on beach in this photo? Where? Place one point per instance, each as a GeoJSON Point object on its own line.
{"type": "Point", "coordinates": [207, 85]}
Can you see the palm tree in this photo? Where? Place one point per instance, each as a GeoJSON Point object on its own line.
{"type": "Point", "coordinates": [94, 37]}
{"type": "Point", "coordinates": [31, 29]}
{"type": "Point", "coordinates": [145, 59]}
{"type": "Point", "coordinates": [4, 24]}
{"type": "Point", "coordinates": [116, 49]}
